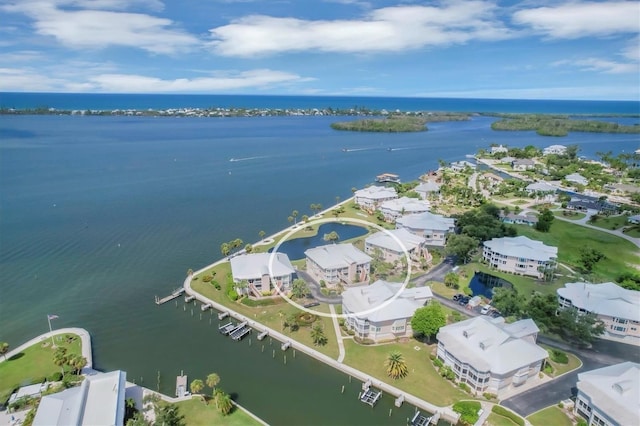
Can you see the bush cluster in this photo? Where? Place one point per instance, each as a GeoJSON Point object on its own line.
{"type": "Point", "coordinates": [559, 356]}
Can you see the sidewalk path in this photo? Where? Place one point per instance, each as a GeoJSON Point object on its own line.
{"type": "Point", "coordinates": [85, 339]}
{"type": "Point", "coordinates": [336, 327]}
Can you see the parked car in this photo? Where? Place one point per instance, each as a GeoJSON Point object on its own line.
{"type": "Point", "coordinates": [464, 300]}
{"type": "Point", "coordinates": [485, 309]}
{"type": "Point", "coordinates": [458, 297]}
{"type": "Point", "coordinates": [495, 314]}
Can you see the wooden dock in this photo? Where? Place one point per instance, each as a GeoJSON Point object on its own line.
{"type": "Point", "coordinates": [420, 419]}
{"type": "Point", "coordinates": [263, 335]}
{"type": "Point", "coordinates": [227, 328]}
{"type": "Point", "coordinates": [370, 396]}
{"type": "Point", "coordinates": [205, 307]}
{"type": "Point", "coordinates": [176, 293]}
{"type": "Point", "coordinates": [223, 315]}
{"type": "Point", "coordinates": [181, 385]}
{"type": "Point", "coordinates": [239, 333]}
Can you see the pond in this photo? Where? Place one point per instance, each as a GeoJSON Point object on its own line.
{"type": "Point", "coordinates": [482, 284]}
{"type": "Point", "coordinates": [295, 248]}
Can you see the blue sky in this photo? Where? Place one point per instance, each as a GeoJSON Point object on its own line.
{"type": "Point", "coordinates": [532, 49]}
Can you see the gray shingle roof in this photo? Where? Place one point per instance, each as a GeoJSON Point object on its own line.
{"type": "Point", "coordinates": [406, 204]}
{"type": "Point", "coordinates": [361, 299]}
{"type": "Point", "coordinates": [604, 299]}
{"type": "Point", "coordinates": [385, 241]}
{"type": "Point", "coordinates": [256, 265]}
{"type": "Point", "coordinates": [335, 256]}
{"type": "Point", "coordinates": [490, 345]}
{"type": "Point", "coordinates": [376, 192]}
{"type": "Point", "coordinates": [522, 247]}
{"type": "Point", "coordinates": [615, 390]}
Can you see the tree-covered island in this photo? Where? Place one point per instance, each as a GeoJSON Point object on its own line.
{"type": "Point", "coordinates": [558, 125]}
{"type": "Point", "coordinates": [398, 122]}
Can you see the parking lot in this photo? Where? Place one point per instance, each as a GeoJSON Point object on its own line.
{"type": "Point", "coordinates": [475, 306]}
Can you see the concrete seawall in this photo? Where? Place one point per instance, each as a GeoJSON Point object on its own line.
{"type": "Point", "coordinates": [446, 413]}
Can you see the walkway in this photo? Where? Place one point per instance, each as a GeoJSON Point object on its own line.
{"type": "Point", "coordinates": [446, 412]}
{"type": "Point", "coordinates": [339, 338]}
{"type": "Point", "coordinates": [85, 340]}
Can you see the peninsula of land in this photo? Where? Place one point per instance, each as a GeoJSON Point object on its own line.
{"type": "Point", "coordinates": [399, 122]}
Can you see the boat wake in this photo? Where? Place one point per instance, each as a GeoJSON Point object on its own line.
{"type": "Point", "coordinates": [233, 160]}
{"type": "Point", "coordinates": [356, 149]}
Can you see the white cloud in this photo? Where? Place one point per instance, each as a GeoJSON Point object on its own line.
{"type": "Point", "coordinates": [127, 83]}
{"type": "Point", "coordinates": [89, 28]}
{"type": "Point", "coordinates": [26, 80]}
{"type": "Point", "coordinates": [582, 19]}
{"type": "Point", "coordinates": [599, 65]}
{"type": "Point", "coordinates": [389, 29]}
{"type": "Point", "coordinates": [596, 92]}
{"type": "Point", "coordinates": [632, 51]}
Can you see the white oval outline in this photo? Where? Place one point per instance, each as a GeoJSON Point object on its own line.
{"type": "Point", "coordinates": [342, 219]}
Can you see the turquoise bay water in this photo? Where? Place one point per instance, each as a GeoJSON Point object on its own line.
{"type": "Point", "coordinates": [99, 214]}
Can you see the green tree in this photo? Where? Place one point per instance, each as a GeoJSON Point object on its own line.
{"type": "Point", "coordinates": [331, 237]}
{"type": "Point", "coordinates": [290, 219]}
{"type": "Point", "coordinates": [318, 336]}
{"type": "Point", "coordinates": [137, 420]}
{"type": "Point", "coordinates": [295, 215]}
{"type": "Point", "coordinates": [426, 321]}
{"type": "Point", "coordinates": [223, 402]}
{"type": "Point", "coordinates": [461, 246]}
{"type": "Point", "coordinates": [579, 328]}
{"type": "Point", "coordinates": [225, 249]}
{"type": "Point", "coordinates": [589, 257]}
{"type": "Point", "coordinates": [299, 288]}
{"type": "Point", "coordinates": [291, 321]}
{"type": "Point", "coordinates": [305, 218]}
{"type": "Point", "coordinates": [451, 279]}
{"type": "Point", "coordinates": [77, 363]}
{"type": "Point", "coordinates": [4, 349]}
{"type": "Point", "coordinates": [60, 358]}
{"type": "Point", "coordinates": [248, 248]}
{"type": "Point", "coordinates": [169, 415]}
{"type": "Point", "coordinates": [196, 386]}
{"type": "Point", "coordinates": [544, 221]}
{"type": "Point", "coordinates": [507, 301]}
{"type": "Point", "coordinates": [396, 366]}
{"type": "Point", "coordinates": [212, 381]}
{"type": "Point", "coordinates": [261, 234]}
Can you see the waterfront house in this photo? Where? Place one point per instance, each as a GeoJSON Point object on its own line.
{"type": "Point", "coordinates": [585, 204]}
{"type": "Point", "coordinates": [576, 178]}
{"type": "Point", "coordinates": [253, 270]}
{"type": "Point", "coordinates": [492, 179]}
{"type": "Point", "coordinates": [434, 228]}
{"type": "Point", "coordinates": [555, 149]}
{"type": "Point", "coordinates": [460, 166]}
{"type": "Point", "coordinates": [520, 255]}
{"type": "Point", "coordinates": [390, 245]}
{"type": "Point", "coordinates": [618, 308]}
{"type": "Point", "coordinates": [99, 400]}
{"type": "Point", "coordinates": [499, 149]}
{"type": "Point", "coordinates": [491, 356]}
{"type": "Point", "coordinates": [506, 160]}
{"type": "Point", "coordinates": [338, 263]}
{"type": "Point", "coordinates": [518, 219]}
{"type": "Point", "coordinates": [426, 189]}
{"type": "Point", "coordinates": [522, 164]}
{"type": "Point", "coordinates": [609, 396]}
{"type": "Point", "coordinates": [370, 198]}
{"type": "Point", "coordinates": [389, 322]}
{"type": "Point", "coordinates": [541, 187]}
{"type": "Point", "coordinates": [394, 209]}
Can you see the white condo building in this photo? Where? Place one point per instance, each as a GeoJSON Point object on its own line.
{"type": "Point", "coordinates": [386, 323]}
{"type": "Point", "coordinates": [434, 228]}
{"type": "Point", "coordinates": [254, 270]}
{"type": "Point", "coordinates": [491, 356]}
{"type": "Point", "coordinates": [394, 209]}
{"type": "Point", "coordinates": [618, 308]}
{"type": "Point", "coordinates": [520, 255]}
{"type": "Point", "coordinates": [371, 197]}
{"type": "Point", "coordinates": [610, 396]}
{"type": "Point", "coordinates": [336, 263]}
{"type": "Point", "coordinates": [390, 245]}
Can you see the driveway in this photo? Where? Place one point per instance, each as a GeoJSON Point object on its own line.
{"type": "Point", "coordinates": [601, 354]}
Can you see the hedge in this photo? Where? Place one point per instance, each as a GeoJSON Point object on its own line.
{"type": "Point", "coordinates": [508, 414]}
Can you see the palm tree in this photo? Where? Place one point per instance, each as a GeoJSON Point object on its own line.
{"type": "Point", "coordinates": [212, 381]}
{"type": "Point", "coordinates": [261, 234]}
{"type": "Point", "coordinates": [196, 386]}
{"type": "Point", "coordinates": [305, 218]}
{"type": "Point", "coordinates": [190, 272]}
{"type": "Point", "coordinates": [224, 402]}
{"type": "Point", "coordinates": [290, 219]}
{"type": "Point", "coordinates": [396, 366]}
{"type": "Point", "coordinates": [4, 348]}
{"type": "Point", "coordinates": [77, 363]}
{"type": "Point", "coordinates": [225, 249]}
{"type": "Point", "coordinates": [60, 358]}
{"type": "Point", "coordinates": [317, 335]}
{"type": "Point", "coordinates": [248, 248]}
{"type": "Point", "coordinates": [295, 215]}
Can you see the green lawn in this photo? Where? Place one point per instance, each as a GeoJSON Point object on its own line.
{"type": "Point", "coordinates": [550, 416]}
{"type": "Point", "coordinates": [422, 381]}
{"type": "Point", "coordinates": [197, 412]}
{"type": "Point", "coordinates": [633, 231]}
{"type": "Point", "coordinates": [610, 222]}
{"type": "Point", "coordinates": [272, 315]}
{"type": "Point", "coordinates": [569, 238]}
{"type": "Point", "coordinates": [558, 369]}
{"type": "Point", "coordinates": [33, 364]}
{"type": "Point", "coordinates": [498, 420]}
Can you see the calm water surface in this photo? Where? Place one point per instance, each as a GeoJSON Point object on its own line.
{"type": "Point", "coordinates": [99, 214]}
